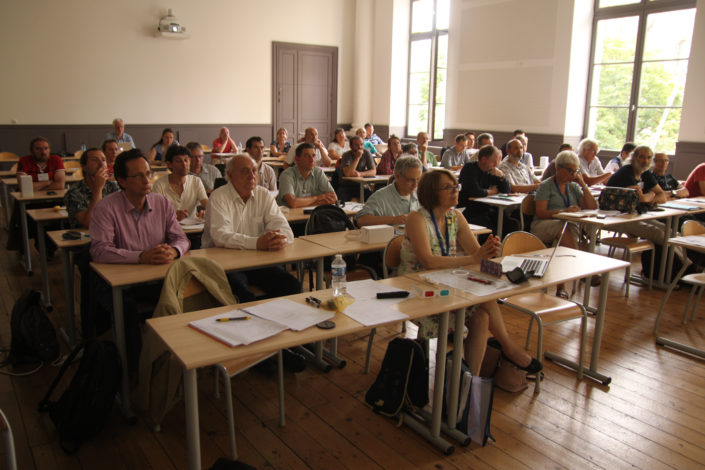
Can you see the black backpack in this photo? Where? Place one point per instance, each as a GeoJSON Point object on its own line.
{"type": "Point", "coordinates": [402, 380]}
{"type": "Point", "coordinates": [33, 335]}
{"type": "Point", "coordinates": [84, 407]}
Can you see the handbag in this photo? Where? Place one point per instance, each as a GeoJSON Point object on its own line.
{"type": "Point", "coordinates": [619, 199]}
{"type": "Point", "coordinates": [506, 375]}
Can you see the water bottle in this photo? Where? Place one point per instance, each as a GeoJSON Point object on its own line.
{"type": "Point", "coordinates": [338, 272]}
{"type": "Point", "coordinates": [83, 146]}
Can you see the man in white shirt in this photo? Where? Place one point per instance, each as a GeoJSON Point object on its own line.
{"type": "Point", "coordinates": [265, 174]}
{"type": "Point", "coordinates": [311, 137]}
{"type": "Point", "coordinates": [186, 192]}
{"type": "Point", "coordinates": [589, 163]}
{"type": "Point", "coordinates": [206, 172]}
{"type": "Point", "coordinates": [244, 215]}
{"type": "Point", "coordinates": [616, 163]}
{"type": "Point", "coordinates": [520, 177]}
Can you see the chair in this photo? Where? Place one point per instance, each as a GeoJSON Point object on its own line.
{"type": "Point", "coordinates": [543, 308]}
{"type": "Point", "coordinates": [391, 260]}
{"type": "Point", "coordinates": [696, 280]}
{"type": "Point", "coordinates": [630, 245]}
{"type": "Point", "coordinates": [72, 164]}
{"type": "Point", "coordinates": [76, 154]}
{"type": "Point", "coordinates": [8, 157]}
{"type": "Point", "coordinates": [8, 443]}
{"type": "Point", "coordinates": [528, 209]}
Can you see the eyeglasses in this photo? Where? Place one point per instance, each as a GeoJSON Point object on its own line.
{"type": "Point", "coordinates": [570, 170]}
{"type": "Point", "coordinates": [147, 175]}
{"type": "Point", "coordinates": [451, 187]}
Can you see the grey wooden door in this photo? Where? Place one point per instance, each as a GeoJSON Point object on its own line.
{"type": "Point", "coordinates": [305, 89]}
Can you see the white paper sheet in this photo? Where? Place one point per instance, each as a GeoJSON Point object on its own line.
{"type": "Point", "coordinates": [368, 289]}
{"type": "Point", "coordinates": [290, 314]}
{"type": "Point", "coordinates": [458, 279]}
{"type": "Point", "coordinates": [236, 333]}
{"type": "Point", "coordinates": [373, 312]}
{"type": "Point", "coordinates": [697, 240]}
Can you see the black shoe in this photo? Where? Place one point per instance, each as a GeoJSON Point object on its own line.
{"type": "Point", "coordinates": [534, 367]}
{"type": "Point", "coordinates": [294, 361]}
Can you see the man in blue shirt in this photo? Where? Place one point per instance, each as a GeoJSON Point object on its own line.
{"type": "Point", "coordinates": [119, 135]}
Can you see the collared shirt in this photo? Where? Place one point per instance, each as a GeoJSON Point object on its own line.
{"type": "Point", "coordinates": [594, 168]}
{"type": "Point", "coordinates": [386, 164]}
{"type": "Point", "coordinates": [234, 223]}
{"type": "Point", "coordinates": [366, 161]}
{"type": "Point", "coordinates": [431, 159]}
{"type": "Point", "coordinates": [267, 177]}
{"type": "Point", "coordinates": [451, 157]}
{"type": "Point", "coordinates": [126, 138]}
{"type": "Point", "coordinates": [614, 164]}
{"type": "Point", "coordinates": [374, 139]}
{"type": "Point", "coordinates": [28, 165]}
{"type": "Point", "coordinates": [291, 156]}
{"type": "Point", "coordinates": [119, 234]}
{"type": "Point", "coordinates": [78, 198]}
{"type": "Point", "coordinates": [209, 173]}
{"type": "Point", "coordinates": [292, 182]}
{"type": "Point", "coordinates": [516, 174]}
{"type": "Point", "coordinates": [387, 202]}
{"type": "Point", "coordinates": [189, 199]}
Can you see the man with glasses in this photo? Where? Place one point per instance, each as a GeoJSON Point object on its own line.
{"type": "Point", "coordinates": [483, 178]}
{"type": "Point", "coordinates": [520, 176]}
{"type": "Point", "coordinates": [134, 226]}
{"type": "Point", "coordinates": [671, 186]}
{"type": "Point", "coordinates": [82, 197]}
{"type": "Point", "coordinates": [119, 135]}
{"type": "Point", "coordinates": [391, 204]}
{"type": "Point", "coordinates": [589, 163]}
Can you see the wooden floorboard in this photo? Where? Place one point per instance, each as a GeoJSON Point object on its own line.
{"type": "Point", "coordinates": [651, 415]}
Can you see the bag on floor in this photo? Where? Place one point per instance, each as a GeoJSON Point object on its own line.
{"type": "Point", "coordinates": [506, 375]}
{"type": "Point", "coordinates": [33, 338]}
{"type": "Point", "coordinates": [475, 396]}
{"type": "Point", "coordinates": [84, 407]}
{"type": "Point", "coordinates": [402, 380]}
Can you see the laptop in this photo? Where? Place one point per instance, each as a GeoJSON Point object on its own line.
{"type": "Point", "coordinates": [536, 265]}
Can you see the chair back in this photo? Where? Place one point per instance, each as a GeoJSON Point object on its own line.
{"type": "Point", "coordinates": [72, 164]}
{"type": "Point", "coordinates": [520, 242]}
{"type": "Point", "coordinates": [392, 256]}
{"type": "Point", "coordinates": [528, 205]}
{"type": "Point", "coordinates": [14, 167]}
{"type": "Point", "coordinates": [8, 157]}
{"type": "Point", "coordinates": [77, 154]}
{"type": "Point", "coordinates": [692, 227]}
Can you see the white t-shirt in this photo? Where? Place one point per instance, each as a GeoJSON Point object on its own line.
{"type": "Point", "coordinates": [193, 193]}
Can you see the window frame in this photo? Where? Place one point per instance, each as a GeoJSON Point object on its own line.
{"type": "Point", "coordinates": [433, 35]}
{"type": "Point", "coordinates": [641, 10]}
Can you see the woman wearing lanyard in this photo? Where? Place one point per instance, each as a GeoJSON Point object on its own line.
{"type": "Point", "coordinates": [564, 192]}
{"type": "Point", "coordinates": [430, 243]}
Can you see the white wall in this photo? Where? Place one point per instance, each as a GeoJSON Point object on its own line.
{"type": "Point", "coordinates": [87, 61]}
{"type": "Point", "coordinates": [693, 117]}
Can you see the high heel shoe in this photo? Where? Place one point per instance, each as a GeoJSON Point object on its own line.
{"type": "Point", "coordinates": [534, 367]}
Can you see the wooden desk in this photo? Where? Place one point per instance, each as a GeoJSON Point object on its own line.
{"type": "Point", "coordinates": [42, 217]}
{"type": "Point", "coordinates": [663, 341]}
{"type": "Point", "coordinates": [502, 202]}
{"type": "Point", "coordinates": [194, 349]}
{"type": "Point", "coordinates": [362, 181]}
{"type": "Point", "coordinates": [9, 183]}
{"type": "Point", "coordinates": [39, 196]}
{"type": "Point", "coordinates": [123, 276]}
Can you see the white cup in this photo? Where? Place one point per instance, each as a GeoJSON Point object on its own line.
{"type": "Point", "coordinates": [544, 162]}
{"type": "Point", "coordinates": [26, 186]}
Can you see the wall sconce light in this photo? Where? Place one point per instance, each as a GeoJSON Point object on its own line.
{"type": "Point", "coordinates": [170, 27]}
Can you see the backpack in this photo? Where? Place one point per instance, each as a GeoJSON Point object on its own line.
{"type": "Point", "coordinates": [402, 380]}
{"type": "Point", "coordinates": [33, 336]}
{"type": "Point", "coordinates": [84, 407]}
{"type": "Point", "coordinates": [620, 199]}
{"type": "Point", "coordinates": [329, 218]}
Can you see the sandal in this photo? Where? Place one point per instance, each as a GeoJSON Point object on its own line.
{"type": "Point", "coordinates": [563, 294]}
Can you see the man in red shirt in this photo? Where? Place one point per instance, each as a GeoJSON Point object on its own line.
{"type": "Point", "coordinates": [224, 143]}
{"type": "Point", "coordinates": [695, 184]}
{"type": "Point", "coordinates": [47, 171]}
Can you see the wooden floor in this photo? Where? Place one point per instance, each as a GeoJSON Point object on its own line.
{"type": "Point", "coordinates": [652, 415]}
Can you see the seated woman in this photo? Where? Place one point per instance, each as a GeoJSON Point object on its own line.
{"type": "Point", "coordinates": [158, 150]}
{"type": "Point", "coordinates": [430, 243]}
{"type": "Point", "coordinates": [279, 147]}
{"type": "Point", "coordinates": [339, 146]}
{"type": "Point", "coordinates": [566, 191]}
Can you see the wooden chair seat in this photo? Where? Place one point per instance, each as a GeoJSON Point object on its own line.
{"type": "Point", "coordinates": [630, 245]}
{"type": "Point", "coordinates": [552, 309]}
{"type": "Point", "coordinates": [236, 366]}
{"type": "Point", "coordinates": [635, 245]}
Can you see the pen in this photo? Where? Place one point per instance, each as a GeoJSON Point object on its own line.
{"type": "Point", "coordinates": [232, 319]}
{"type": "Point", "coordinates": [313, 301]}
{"type": "Point", "coordinates": [481, 281]}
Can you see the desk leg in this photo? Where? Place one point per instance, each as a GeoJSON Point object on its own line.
{"type": "Point", "coordinates": [43, 263]}
{"type": "Point", "coordinates": [25, 237]}
{"type": "Point", "coordinates": [119, 329]}
{"type": "Point", "coordinates": [592, 242]}
{"type": "Point", "coordinates": [193, 439]}
{"type": "Point", "coordinates": [6, 204]}
{"type": "Point", "coordinates": [319, 274]}
{"type": "Point", "coordinates": [362, 192]}
{"type": "Point", "coordinates": [500, 221]}
{"type": "Point", "coordinates": [667, 233]}
{"type": "Point", "coordinates": [68, 288]}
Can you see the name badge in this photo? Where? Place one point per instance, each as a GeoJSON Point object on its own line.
{"type": "Point", "coordinates": [42, 176]}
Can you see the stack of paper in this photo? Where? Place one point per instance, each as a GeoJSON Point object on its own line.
{"type": "Point", "coordinates": [367, 309]}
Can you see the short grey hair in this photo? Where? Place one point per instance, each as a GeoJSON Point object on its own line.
{"type": "Point", "coordinates": [585, 142]}
{"type": "Point", "coordinates": [408, 147]}
{"type": "Point", "coordinates": [231, 163]}
{"type": "Point", "coordinates": [485, 135]}
{"type": "Point", "coordinates": [405, 164]}
{"type": "Point", "coordinates": [567, 157]}
{"type": "Point", "coordinates": [116, 120]}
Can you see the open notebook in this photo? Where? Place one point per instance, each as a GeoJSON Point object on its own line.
{"type": "Point", "coordinates": [537, 265]}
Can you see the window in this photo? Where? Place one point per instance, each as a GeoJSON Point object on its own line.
{"type": "Point", "coordinates": [638, 71]}
{"type": "Point", "coordinates": [428, 67]}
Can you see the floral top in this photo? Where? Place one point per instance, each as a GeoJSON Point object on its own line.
{"type": "Point", "coordinates": [287, 146]}
{"type": "Point", "coordinates": [409, 262]}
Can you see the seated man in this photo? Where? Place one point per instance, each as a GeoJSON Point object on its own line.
{"type": "Point", "coordinates": [265, 174]}
{"type": "Point", "coordinates": [110, 150]}
{"type": "Point", "coordinates": [483, 139]}
{"type": "Point", "coordinates": [119, 135]}
{"type": "Point", "coordinates": [355, 162]}
{"type": "Point", "coordinates": [244, 215]}
{"type": "Point", "coordinates": [527, 159]}
{"type": "Point", "coordinates": [672, 188]}
{"type": "Point", "coordinates": [470, 146]}
{"type": "Point", "coordinates": [617, 162]}
{"type": "Point", "coordinates": [695, 184]}
{"type": "Point", "coordinates": [321, 157]}
{"type": "Point", "coordinates": [516, 134]}
{"type": "Point", "coordinates": [521, 177]}
{"type": "Point", "coordinates": [389, 158]}
{"type": "Point", "coordinates": [206, 172]}
{"type": "Point", "coordinates": [480, 179]}
{"type": "Point", "coordinates": [590, 165]}
{"type": "Point", "coordinates": [82, 197]}
{"type": "Point", "coordinates": [455, 157]}
{"type": "Point", "coordinates": [391, 204]}
{"type": "Point", "coordinates": [134, 226]}
{"type": "Point", "coordinates": [186, 192]}
{"type": "Point", "coordinates": [47, 170]}
{"type": "Point", "coordinates": [370, 135]}
{"type": "Point", "coordinates": [427, 157]}
{"type": "Point", "coordinates": [410, 148]}
{"type": "Point", "coordinates": [305, 184]}
{"type": "Point", "coordinates": [224, 143]}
